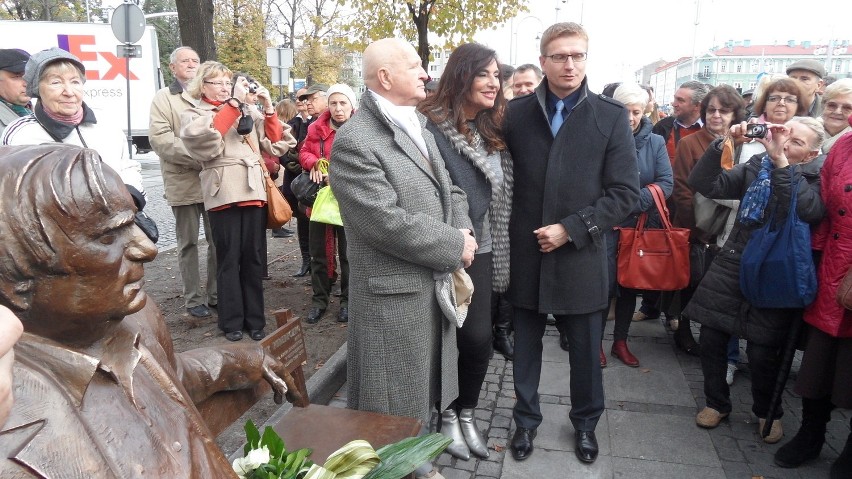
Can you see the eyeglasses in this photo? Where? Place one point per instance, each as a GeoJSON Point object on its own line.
{"type": "Point", "coordinates": [722, 111]}
{"type": "Point", "coordinates": [844, 108]}
{"type": "Point", "coordinates": [787, 100]}
{"type": "Point", "coordinates": [563, 57]}
{"type": "Point", "coordinates": [219, 84]}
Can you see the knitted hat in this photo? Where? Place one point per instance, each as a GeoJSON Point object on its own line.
{"type": "Point", "coordinates": [13, 60]}
{"type": "Point", "coordinates": [343, 89]}
{"type": "Point", "coordinates": [814, 66]}
{"type": "Point", "coordinates": [39, 61]}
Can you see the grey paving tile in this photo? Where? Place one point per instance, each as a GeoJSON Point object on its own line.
{"type": "Point", "coordinates": [636, 468]}
{"type": "Point", "coordinates": [555, 464]}
{"type": "Point", "coordinates": [631, 434]}
{"type": "Point", "coordinates": [656, 381]}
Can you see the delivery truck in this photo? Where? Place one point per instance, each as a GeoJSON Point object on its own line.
{"type": "Point", "coordinates": [106, 72]}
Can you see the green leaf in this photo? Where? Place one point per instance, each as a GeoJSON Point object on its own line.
{"type": "Point", "coordinates": [403, 457]}
{"type": "Point", "coordinates": [252, 437]}
{"type": "Point", "coordinates": [273, 441]}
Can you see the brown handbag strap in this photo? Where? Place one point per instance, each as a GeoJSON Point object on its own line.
{"type": "Point", "coordinates": [254, 149]}
{"type": "Point", "coordinates": [660, 201]}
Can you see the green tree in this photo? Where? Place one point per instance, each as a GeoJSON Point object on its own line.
{"type": "Point", "coordinates": [455, 21]}
{"type": "Point", "coordinates": [168, 32]}
{"type": "Point", "coordinates": [51, 10]}
{"type": "Point", "coordinates": [317, 62]}
{"type": "Point", "coordinates": [240, 32]}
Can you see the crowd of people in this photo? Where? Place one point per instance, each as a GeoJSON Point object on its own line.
{"type": "Point", "coordinates": [450, 180]}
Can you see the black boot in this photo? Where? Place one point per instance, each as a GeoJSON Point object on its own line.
{"type": "Point", "coordinates": [842, 467]}
{"type": "Point", "coordinates": [306, 267]}
{"type": "Point", "coordinates": [684, 340]}
{"type": "Point", "coordinates": [501, 317]}
{"type": "Point", "coordinates": [807, 443]}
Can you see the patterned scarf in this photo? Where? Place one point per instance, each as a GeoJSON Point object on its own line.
{"type": "Point", "coordinates": [757, 195]}
{"type": "Point", "coordinates": [18, 109]}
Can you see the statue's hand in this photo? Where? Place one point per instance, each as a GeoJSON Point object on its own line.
{"type": "Point", "coordinates": [275, 374]}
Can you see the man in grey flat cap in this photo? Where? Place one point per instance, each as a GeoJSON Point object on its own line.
{"type": "Point", "coordinates": [810, 73]}
{"type": "Point", "coordinates": [14, 101]}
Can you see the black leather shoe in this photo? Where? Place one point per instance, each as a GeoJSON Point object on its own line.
{"type": "Point", "coordinates": [343, 315]}
{"type": "Point", "coordinates": [200, 311]}
{"type": "Point", "coordinates": [282, 233]}
{"type": "Point", "coordinates": [257, 334]}
{"type": "Point", "coordinates": [315, 314]}
{"type": "Point", "coordinates": [586, 446]}
{"type": "Point", "coordinates": [563, 341]}
{"type": "Point", "coordinates": [305, 269]}
{"type": "Point", "coordinates": [234, 336]}
{"type": "Point", "coordinates": [503, 345]}
{"type": "Point", "coordinates": [522, 443]}
{"type": "Point", "coordinates": [687, 344]}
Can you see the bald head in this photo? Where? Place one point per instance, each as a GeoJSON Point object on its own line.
{"type": "Point", "coordinates": [393, 70]}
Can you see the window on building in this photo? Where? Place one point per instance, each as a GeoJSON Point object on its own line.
{"type": "Point", "coordinates": [437, 54]}
{"type": "Point", "coordinates": [752, 85]}
{"type": "Point", "coordinates": [706, 71]}
{"type": "Point", "coordinates": [738, 85]}
{"type": "Point", "coordinates": [739, 67]}
{"type": "Point", "coordinates": [723, 67]}
{"type": "Point", "coordinates": [433, 68]}
{"type": "Point", "coordinates": [836, 66]}
{"type": "Point", "coordinates": [755, 66]}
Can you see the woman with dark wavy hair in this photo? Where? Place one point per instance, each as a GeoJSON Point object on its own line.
{"type": "Point", "coordinates": [465, 116]}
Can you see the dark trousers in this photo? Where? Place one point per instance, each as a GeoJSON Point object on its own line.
{"type": "Point", "coordinates": [625, 303]}
{"type": "Point", "coordinates": [320, 274]}
{"type": "Point", "coordinates": [474, 339]}
{"type": "Point", "coordinates": [586, 382]}
{"type": "Point", "coordinates": [763, 361]}
{"type": "Point", "coordinates": [239, 234]}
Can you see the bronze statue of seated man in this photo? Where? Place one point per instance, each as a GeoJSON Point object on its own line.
{"type": "Point", "coordinates": [99, 391]}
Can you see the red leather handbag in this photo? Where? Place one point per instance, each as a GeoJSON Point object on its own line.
{"type": "Point", "coordinates": [654, 259]}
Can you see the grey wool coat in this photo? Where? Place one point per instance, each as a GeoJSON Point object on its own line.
{"type": "Point", "coordinates": [402, 225]}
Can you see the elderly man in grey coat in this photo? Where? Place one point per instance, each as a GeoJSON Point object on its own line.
{"type": "Point", "coordinates": [406, 223]}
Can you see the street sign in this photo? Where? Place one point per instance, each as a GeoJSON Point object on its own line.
{"type": "Point", "coordinates": [279, 57]}
{"type": "Point", "coordinates": [280, 76]}
{"type": "Point", "coordinates": [128, 23]}
{"type": "Point", "coordinates": [125, 50]}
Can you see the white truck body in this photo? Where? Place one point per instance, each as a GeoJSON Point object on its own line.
{"type": "Point", "coordinates": [106, 85]}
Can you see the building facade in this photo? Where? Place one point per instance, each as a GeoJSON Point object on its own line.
{"type": "Point", "coordinates": [741, 64]}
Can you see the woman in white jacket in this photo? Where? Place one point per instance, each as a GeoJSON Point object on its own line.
{"type": "Point", "coordinates": [56, 78]}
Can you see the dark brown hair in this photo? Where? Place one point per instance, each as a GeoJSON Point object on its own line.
{"type": "Point", "coordinates": [465, 62]}
{"type": "Point", "coordinates": [728, 98]}
{"type": "Point", "coordinates": [787, 85]}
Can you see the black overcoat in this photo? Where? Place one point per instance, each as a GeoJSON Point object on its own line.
{"type": "Point", "coordinates": [587, 179]}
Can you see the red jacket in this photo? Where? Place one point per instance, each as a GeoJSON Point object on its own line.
{"type": "Point", "coordinates": [318, 142]}
{"type": "Point", "coordinates": [834, 238]}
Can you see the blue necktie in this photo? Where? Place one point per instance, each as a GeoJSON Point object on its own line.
{"type": "Point", "coordinates": [557, 120]}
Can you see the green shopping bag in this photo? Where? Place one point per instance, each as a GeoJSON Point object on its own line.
{"type": "Point", "coordinates": [325, 209]}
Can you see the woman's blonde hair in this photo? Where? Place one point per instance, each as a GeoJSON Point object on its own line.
{"type": "Point", "coordinates": [206, 71]}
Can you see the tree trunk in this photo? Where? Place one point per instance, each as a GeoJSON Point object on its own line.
{"type": "Point", "coordinates": [422, 23]}
{"type": "Point", "coordinates": [195, 19]}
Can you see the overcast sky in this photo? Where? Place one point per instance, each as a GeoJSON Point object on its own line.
{"type": "Point", "coordinates": [626, 34]}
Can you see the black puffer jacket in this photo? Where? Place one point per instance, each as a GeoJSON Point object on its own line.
{"type": "Point", "coordinates": [718, 302]}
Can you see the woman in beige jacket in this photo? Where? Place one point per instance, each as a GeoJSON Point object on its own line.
{"type": "Point", "coordinates": [232, 183]}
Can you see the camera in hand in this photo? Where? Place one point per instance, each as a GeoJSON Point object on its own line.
{"type": "Point", "coordinates": [252, 88]}
{"type": "Point", "coordinates": [756, 130]}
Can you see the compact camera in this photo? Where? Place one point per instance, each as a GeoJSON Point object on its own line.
{"type": "Point", "coordinates": [252, 88]}
{"type": "Point", "coordinates": [756, 130]}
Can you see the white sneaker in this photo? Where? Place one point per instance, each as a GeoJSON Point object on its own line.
{"type": "Point", "coordinates": [729, 376]}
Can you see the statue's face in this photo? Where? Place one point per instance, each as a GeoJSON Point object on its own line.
{"type": "Point", "coordinates": [102, 256]}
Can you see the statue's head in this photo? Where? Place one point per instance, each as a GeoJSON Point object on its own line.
{"type": "Point", "coordinates": [71, 256]}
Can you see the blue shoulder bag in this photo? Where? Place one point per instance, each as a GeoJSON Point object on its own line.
{"type": "Point", "coordinates": [777, 268]}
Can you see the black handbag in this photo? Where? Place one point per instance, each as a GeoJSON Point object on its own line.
{"type": "Point", "coordinates": [303, 187]}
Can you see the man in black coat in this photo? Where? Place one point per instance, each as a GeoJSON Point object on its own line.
{"type": "Point", "coordinates": [576, 177]}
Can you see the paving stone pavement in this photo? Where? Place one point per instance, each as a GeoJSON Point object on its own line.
{"type": "Point", "coordinates": [648, 429]}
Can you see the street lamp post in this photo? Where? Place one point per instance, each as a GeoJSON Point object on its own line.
{"type": "Point", "coordinates": [513, 49]}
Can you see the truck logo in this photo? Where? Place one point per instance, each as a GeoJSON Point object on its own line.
{"type": "Point", "coordinates": [74, 44]}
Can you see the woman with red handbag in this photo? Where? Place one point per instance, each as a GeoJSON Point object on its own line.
{"type": "Point", "coordinates": [654, 168]}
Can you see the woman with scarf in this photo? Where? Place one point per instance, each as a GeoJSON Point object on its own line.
{"type": "Point", "coordinates": [465, 116]}
{"type": "Point", "coordinates": [837, 108]}
{"type": "Point", "coordinates": [325, 239]}
{"type": "Point", "coordinates": [57, 79]}
{"type": "Point", "coordinates": [222, 135]}
{"type": "Point", "coordinates": [763, 183]}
